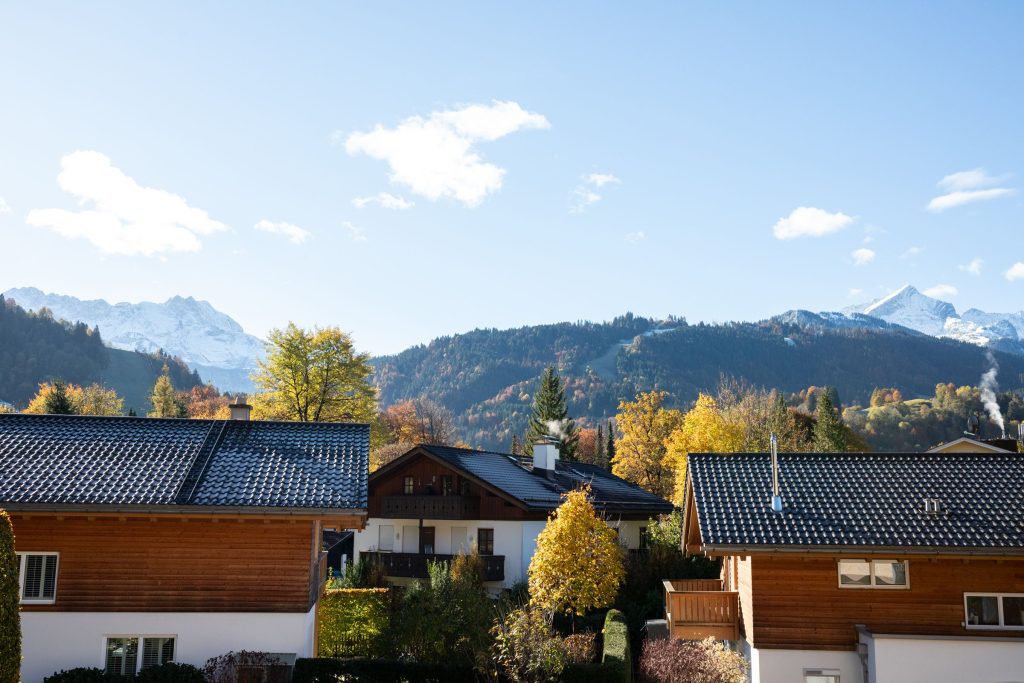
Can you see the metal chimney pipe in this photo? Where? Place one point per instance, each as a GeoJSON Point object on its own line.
{"type": "Point", "coordinates": [776, 497]}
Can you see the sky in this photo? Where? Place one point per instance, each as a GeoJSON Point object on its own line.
{"type": "Point", "coordinates": [411, 170]}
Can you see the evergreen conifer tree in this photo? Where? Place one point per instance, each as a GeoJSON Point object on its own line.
{"type": "Point", "coordinates": [829, 433]}
{"type": "Point", "coordinates": [550, 418]}
{"type": "Point", "coordinates": [599, 448]}
{"type": "Point", "coordinates": [164, 398]}
{"type": "Point", "coordinates": [516, 447]}
{"type": "Point", "coordinates": [58, 401]}
{"type": "Point", "coordinates": [10, 607]}
{"type": "Point", "coordinates": [609, 450]}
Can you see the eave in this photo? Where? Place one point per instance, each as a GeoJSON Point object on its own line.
{"type": "Point", "coordinates": [720, 550]}
{"type": "Point", "coordinates": [191, 511]}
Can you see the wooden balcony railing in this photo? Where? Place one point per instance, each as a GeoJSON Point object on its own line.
{"type": "Point", "coordinates": [699, 608]}
{"type": "Point", "coordinates": [414, 565]}
{"type": "Point", "coordinates": [430, 507]}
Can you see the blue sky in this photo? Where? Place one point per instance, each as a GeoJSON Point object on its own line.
{"type": "Point", "coordinates": [563, 161]}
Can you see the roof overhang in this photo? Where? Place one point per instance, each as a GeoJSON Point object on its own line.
{"type": "Point", "coordinates": [194, 511]}
{"type": "Point", "coordinates": [717, 550]}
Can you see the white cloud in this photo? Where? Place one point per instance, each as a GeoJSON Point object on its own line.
{"type": "Point", "coordinates": [583, 195]}
{"type": "Point", "coordinates": [948, 201]}
{"type": "Point", "coordinates": [963, 187]}
{"type": "Point", "coordinates": [807, 221]}
{"type": "Point", "coordinates": [436, 156]}
{"type": "Point", "coordinates": [974, 267]}
{"type": "Point", "coordinates": [940, 291]}
{"type": "Point", "coordinates": [385, 200]}
{"type": "Point", "coordinates": [912, 252]}
{"type": "Point", "coordinates": [126, 218]}
{"type": "Point", "coordinates": [4, 206]}
{"type": "Point", "coordinates": [635, 237]}
{"type": "Point", "coordinates": [294, 233]}
{"type": "Point", "coordinates": [1016, 272]}
{"type": "Point", "coordinates": [356, 233]}
{"type": "Point", "coordinates": [862, 257]}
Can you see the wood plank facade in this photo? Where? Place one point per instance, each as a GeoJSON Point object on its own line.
{"type": "Point", "coordinates": [176, 564]}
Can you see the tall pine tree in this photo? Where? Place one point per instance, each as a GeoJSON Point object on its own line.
{"type": "Point", "coordinates": [550, 418]}
{"type": "Point", "coordinates": [609, 451]}
{"type": "Point", "coordinates": [599, 448]}
{"type": "Point", "coordinates": [58, 401]}
{"type": "Point", "coordinates": [829, 432]}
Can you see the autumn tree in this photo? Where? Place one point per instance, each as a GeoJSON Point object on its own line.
{"type": "Point", "coordinates": [314, 376]}
{"type": "Point", "coordinates": [408, 423]}
{"type": "Point", "coordinates": [55, 398]}
{"type": "Point", "coordinates": [10, 608]}
{"type": "Point", "coordinates": [577, 566]}
{"type": "Point", "coordinates": [550, 417]}
{"type": "Point", "coordinates": [639, 453]}
{"type": "Point", "coordinates": [164, 398]}
{"type": "Point", "coordinates": [206, 403]}
{"type": "Point", "coordinates": [829, 432]}
{"type": "Point", "coordinates": [704, 430]}
{"type": "Point", "coordinates": [586, 449]}
{"type": "Point", "coordinates": [96, 399]}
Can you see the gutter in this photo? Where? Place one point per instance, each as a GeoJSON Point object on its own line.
{"type": "Point", "coordinates": [865, 550]}
{"type": "Point", "coordinates": [171, 509]}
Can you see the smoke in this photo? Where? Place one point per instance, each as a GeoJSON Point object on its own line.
{"type": "Point", "coordinates": [556, 428]}
{"type": "Point", "coordinates": [989, 387]}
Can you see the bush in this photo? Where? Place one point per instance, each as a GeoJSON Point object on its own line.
{"type": "Point", "coordinates": [354, 622]}
{"type": "Point", "coordinates": [368, 572]}
{"type": "Point", "coordinates": [81, 675]}
{"type": "Point", "coordinates": [580, 648]}
{"type": "Point", "coordinates": [171, 673]}
{"type": "Point", "coordinates": [591, 673]}
{"type": "Point", "coordinates": [687, 661]}
{"type": "Point", "coordinates": [10, 607]}
{"type": "Point", "coordinates": [226, 667]}
{"type": "Point", "coordinates": [525, 649]}
{"type": "Point", "coordinates": [616, 645]}
{"type": "Point", "coordinates": [377, 671]}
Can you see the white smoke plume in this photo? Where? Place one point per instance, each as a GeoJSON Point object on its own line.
{"type": "Point", "coordinates": [989, 387]}
{"type": "Point", "coordinates": [556, 428]}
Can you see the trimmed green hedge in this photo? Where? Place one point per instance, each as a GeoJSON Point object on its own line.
{"type": "Point", "coordinates": [595, 672]}
{"type": "Point", "coordinates": [82, 674]}
{"type": "Point", "coordinates": [10, 607]}
{"type": "Point", "coordinates": [165, 673]}
{"type": "Point", "coordinates": [616, 654]}
{"type": "Point", "coordinates": [323, 670]}
{"type": "Point", "coordinates": [354, 622]}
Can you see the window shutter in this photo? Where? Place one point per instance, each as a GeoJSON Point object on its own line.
{"type": "Point", "coordinates": [122, 656]}
{"type": "Point", "coordinates": [49, 577]}
{"type": "Point", "coordinates": [33, 577]}
{"type": "Point", "coordinates": [157, 651]}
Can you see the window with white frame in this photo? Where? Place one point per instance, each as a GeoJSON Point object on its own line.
{"type": "Point", "coordinates": [873, 574]}
{"type": "Point", "coordinates": [122, 656]}
{"type": "Point", "coordinates": [994, 611]}
{"type": "Point", "coordinates": [821, 676]}
{"type": "Point", "coordinates": [386, 538]}
{"type": "Point", "coordinates": [37, 577]}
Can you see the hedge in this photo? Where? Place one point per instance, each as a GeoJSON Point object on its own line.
{"type": "Point", "coordinates": [165, 673]}
{"type": "Point", "coordinates": [10, 607]}
{"type": "Point", "coordinates": [616, 654]}
{"type": "Point", "coordinates": [354, 622]}
{"type": "Point", "coordinates": [595, 672]}
{"type": "Point", "coordinates": [323, 670]}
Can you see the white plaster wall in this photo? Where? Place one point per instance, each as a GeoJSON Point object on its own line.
{"type": "Point", "coordinates": [52, 641]}
{"type": "Point", "coordinates": [923, 660]}
{"type": "Point", "coordinates": [779, 666]}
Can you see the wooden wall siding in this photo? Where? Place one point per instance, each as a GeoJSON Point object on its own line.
{"type": "Point", "coordinates": [169, 565]}
{"type": "Point", "coordinates": [795, 603]}
{"type": "Point", "coordinates": [744, 585]}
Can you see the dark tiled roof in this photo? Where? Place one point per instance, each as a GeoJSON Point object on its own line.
{"type": "Point", "coordinates": [513, 476]}
{"type": "Point", "coordinates": [125, 461]}
{"type": "Point", "coordinates": [861, 500]}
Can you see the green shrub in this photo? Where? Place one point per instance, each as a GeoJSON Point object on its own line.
{"type": "Point", "coordinates": [591, 673]}
{"type": "Point", "coordinates": [616, 645]}
{"type": "Point", "coordinates": [580, 648]}
{"type": "Point", "coordinates": [354, 622]}
{"type": "Point", "coordinates": [377, 671]}
{"type": "Point", "coordinates": [82, 675]}
{"type": "Point", "coordinates": [10, 607]}
{"type": "Point", "coordinates": [368, 572]}
{"type": "Point", "coordinates": [171, 673]}
{"type": "Point", "coordinates": [525, 649]}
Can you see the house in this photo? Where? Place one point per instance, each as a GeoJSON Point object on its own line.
{"type": "Point", "coordinates": [434, 502]}
{"type": "Point", "coordinates": [142, 540]}
{"type": "Point", "coordinates": [859, 568]}
{"type": "Point", "coordinates": [971, 444]}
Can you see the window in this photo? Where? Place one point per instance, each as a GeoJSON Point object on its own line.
{"type": "Point", "coordinates": [485, 541]}
{"type": "Point", "coordinates": [994, 610]}
{"type": "Point", "coordinates": [122, 653]}
{"type": "Point", "coordinates": [447, 485]}
{"type": "Point", "coordinates": [873, 574]}
{"type": "Point", "coordinates": [644, 544]}
{"type": "Point", "coordinates": [386, 539]}
{"type": "Point", "coordinates": [37, 577]}
{"type": "Point", "coordinates": [821, 676]}
{"type": "Point", "coordinates": [464, 486]}
{"type": "Point", "coordinates": [407, 486]}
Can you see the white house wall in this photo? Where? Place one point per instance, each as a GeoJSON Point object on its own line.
{"type": "Point", "coordinates": [922, 659]}
{"type": "Point", "coordinates": [52, 641]}
{"type": "Point", "coordinates": [775, 666]}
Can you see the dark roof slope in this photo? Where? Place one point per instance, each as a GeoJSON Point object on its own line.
{"type": "Point", "coordinates": [873, 500]}
{"type": "Point", "coordinates": [535, 491]}
{"type": "Point", "coordinates": [55, 460]}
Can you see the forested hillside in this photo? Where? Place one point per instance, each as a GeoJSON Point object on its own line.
{"type": "Point", "coordinates": [486, 377]}
{"type": "Point", "coordinates": [34, 348]}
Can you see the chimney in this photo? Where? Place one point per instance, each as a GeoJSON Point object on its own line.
{"type": "Point", "coordinates": [545, 455]}
{"type": "Point", "coordinates": [240, 410]}
{"type": "Point", "coordinates": [776, 497]}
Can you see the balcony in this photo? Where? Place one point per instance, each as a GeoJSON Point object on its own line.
{"type": "Point", "coordinates": [430, 507]}
{"type": "Point", "coordinates": [414, 565]}
{"type": "Point", "coordinates": [699, 608]}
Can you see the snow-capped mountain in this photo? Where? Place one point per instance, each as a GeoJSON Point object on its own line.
{"type": "Point", "coordinates": [209, 341]}
{"type": "Point", "coordinates": [910, 308]}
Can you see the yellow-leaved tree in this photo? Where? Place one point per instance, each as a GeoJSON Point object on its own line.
{"type": "Point", "coordinates": [60, 398]}
{"type": "Point", "coordinates": [644, 425]}
{"type": "Point", "coordinates": [704, 430]}
{"type": "Point", "coordinates": [577, 566]}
